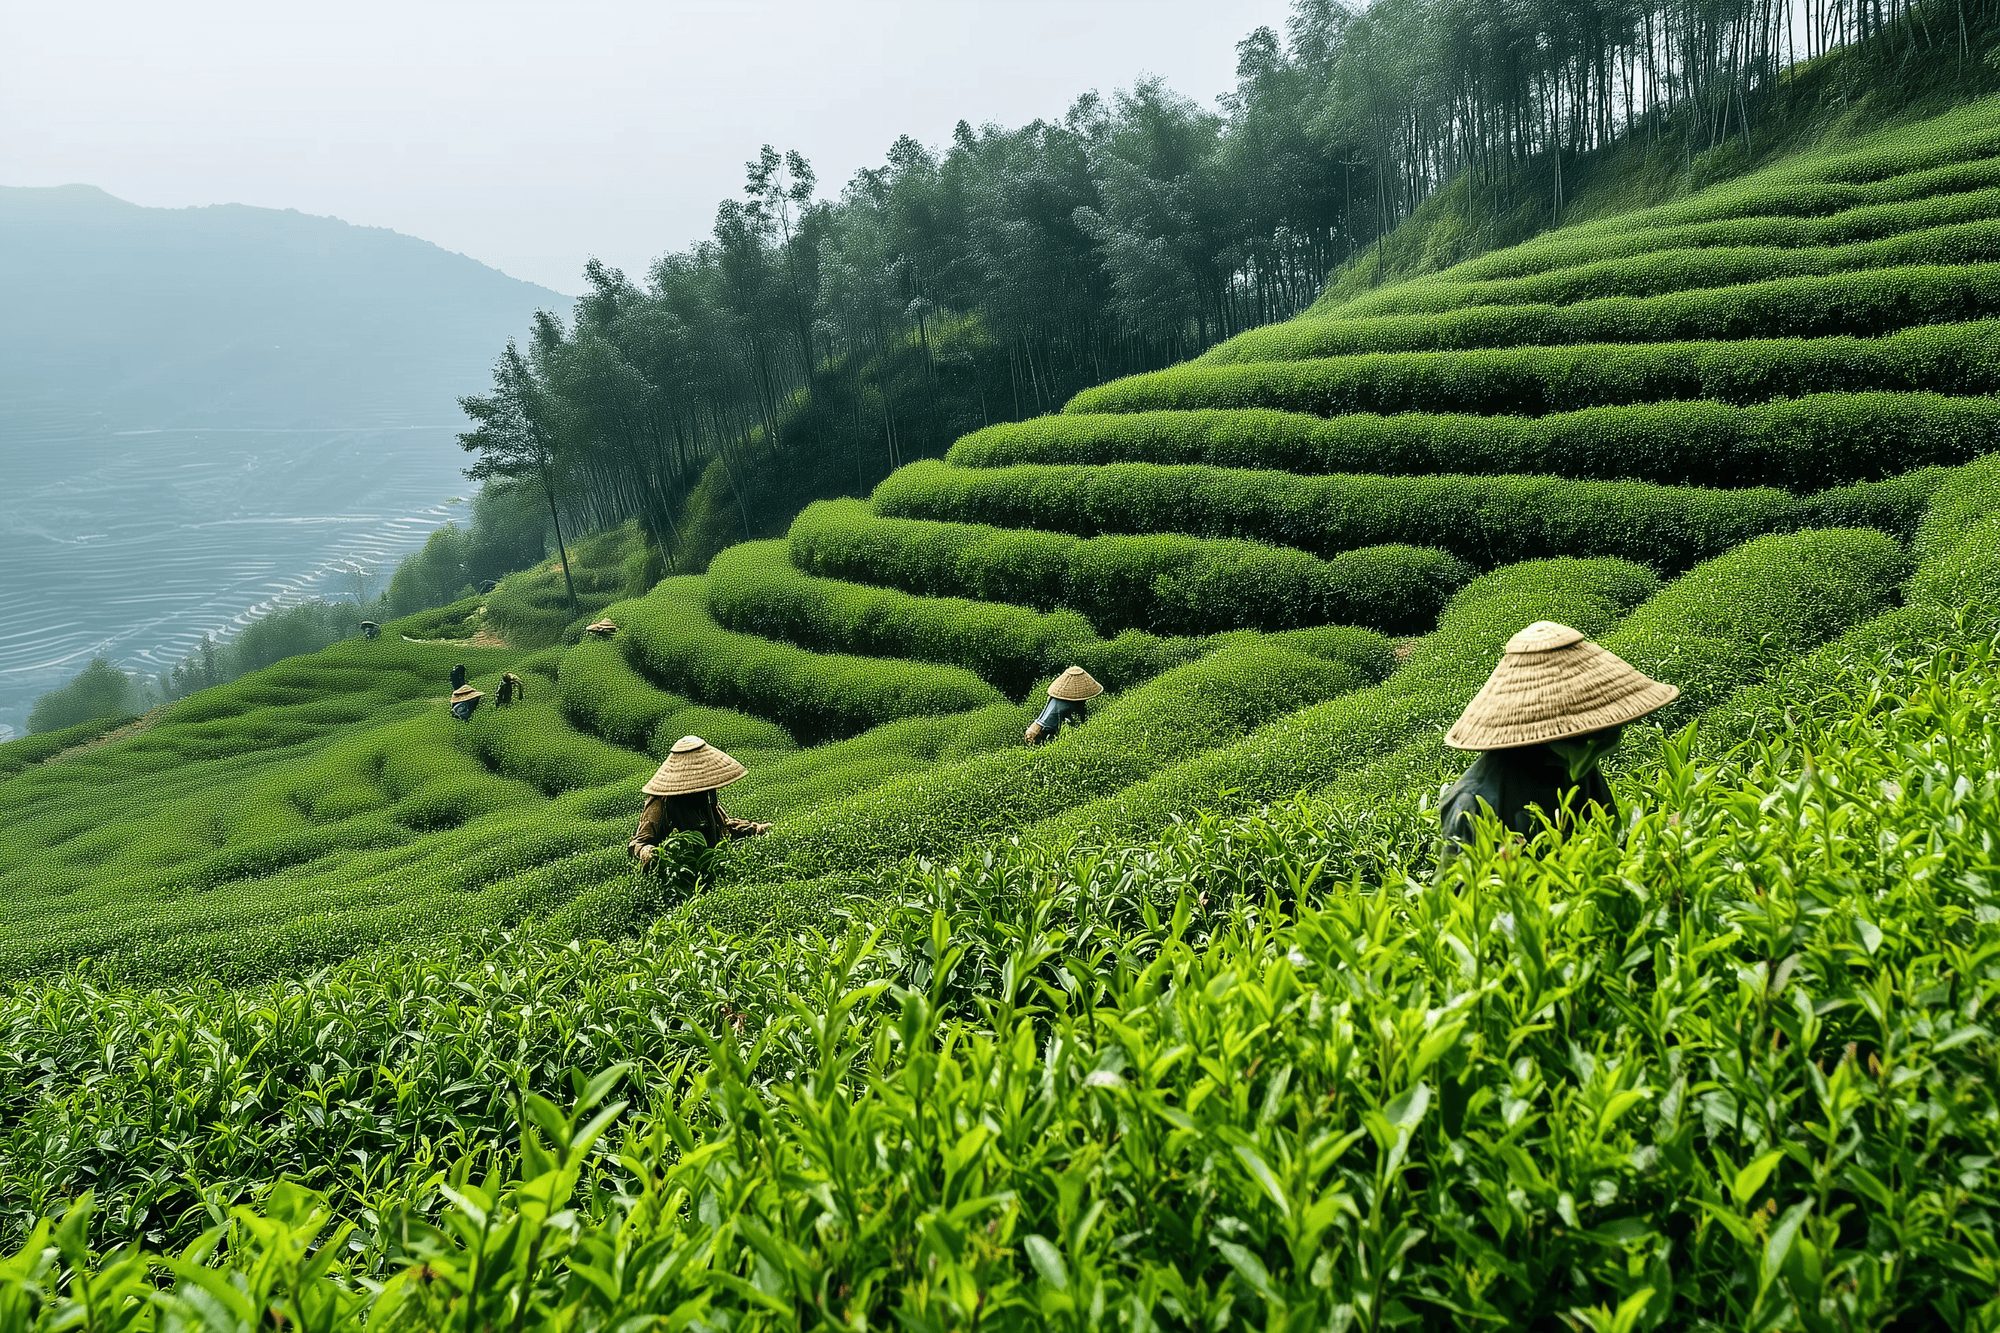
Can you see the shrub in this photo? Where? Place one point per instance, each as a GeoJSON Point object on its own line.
{"type": "Point", "coordinates": [1949, 358]}
{"type": "Point", "coordinates": [28, 751]}
{"type": "Point", "coordinates": [1570, 247]}
{"type": "Point", "coordinates": [1165, 582]}
{"type": "Point", "coordinates": [1798, 444]}
{"type": "Point", "coordinates": [1667, 271]}
{"type": "Point", "coordinates": [459, 620]}
{"type": "Point", "coordinates": [600, 692]}
{"type": "Point", "coordinates": [1444, 669]}
{"type": "Point", "coordinates": [1484, 520]}
{"type": "Point", "coordinates": [1867, 302]}
{"type": "Point", "coordinates": [1958, 543]}
{"type": "Point", "coordinates": [1175, 715]}
{"type": "Point", "coordinates": [815, 697]}
{"type": "Point", "coordinates": [100, 690]}
{"type": "Point", "coordinates": [724, 728]}
{"type": "Point", "coordinates": [753, 588]}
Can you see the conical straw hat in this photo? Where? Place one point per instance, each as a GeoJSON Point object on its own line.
{"type": "Point", "coordinates": [464, 692]}
{"type": "Point", "coordinates": [1552, 684]}
{"type": "Point", "coordinates": [693, 765]}
{"type": "Point", "coordinates": [601, 627]}
{"type": "Point", "coordinates": [1075, 683]}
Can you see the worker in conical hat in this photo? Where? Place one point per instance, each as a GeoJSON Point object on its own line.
{"type": "Point", "coordinates": [511, 688]}
{"type": "Point", "coordinates": [1066, 695]}
{"type": "Point", "coordinates": [682, 795]}
{"type": "Point", "coordinates": [1550, 711]}
{"type": "Point", "coordinates": [602, 629]}
{"type": "Point", "coordinates": [370, 630]}
{"type": "Point", "coordinates": [463, 700]}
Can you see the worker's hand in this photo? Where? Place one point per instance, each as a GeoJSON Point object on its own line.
{"type": "Point", "coordinates": [646, 855]}
{"type": "Point", "coordinates": [1033, 734]}
{"type": "Point", "coordinates": [762, 829]}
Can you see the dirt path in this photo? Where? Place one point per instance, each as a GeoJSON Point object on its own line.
{"type": "Point", "coordinates": [146, 723]}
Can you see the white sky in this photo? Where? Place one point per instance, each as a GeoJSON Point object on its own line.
{"type": "Point", "coordinates": [533, 135]}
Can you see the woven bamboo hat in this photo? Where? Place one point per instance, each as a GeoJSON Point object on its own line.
{"type": "Point", "coordinates": [1552, 684]}
{"type": "Point", "coordinates": [464, 692]}
{"type": "Point", "coordinates": [693, 765]}
{"type": "Point", "coordinates": [601, 627]}
{"type": "Point", "coordinates": [1075, 683]}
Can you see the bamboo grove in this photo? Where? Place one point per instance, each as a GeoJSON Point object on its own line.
{"type": "Point", "coordinates": [809, 346]}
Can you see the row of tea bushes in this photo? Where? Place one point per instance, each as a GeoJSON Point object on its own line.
{"type": "Point", "coordinates": [1102, 1159]}
{"type": "Point", "coordinates": [1799, 444]}
{"type": "Point", "coordinates": [1483, 520]}
{"type": "Point", "coordinates": [1724, 625]}
{"type": "Point", "coordinates": [1181, 713]}
{"type": "Point", "coordinates": [1661, 272]}
{"type": "Point", "coordinates": [1869, 222]}
{"type": "Point", "coordinates": [1947, 358]}
{"type": "Point", "coordinates": [672, 639]}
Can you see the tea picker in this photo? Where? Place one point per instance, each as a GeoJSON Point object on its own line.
{"type": "Point", "coordinates": [511, 689]}
{"type": "Point", "coordinates": [682, 795]}
{"type": "Point", "coordinates": [370, 630]}
{"type": "Point", "coordinates": [1067, 693]}
{"type": "Point", "coordinates": [601, 629]}
{"type": "Point", "coordinates": [458, 676]}
{"type": "Point", "coordinates": [463, 700]}
{"type": "Point", "coordinates": [1550, 711]}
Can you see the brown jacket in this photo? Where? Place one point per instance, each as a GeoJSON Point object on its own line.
{"type": "Point", "coordinates": [701, 811]}
{"type": "Point", "coordinates": [511, 688]}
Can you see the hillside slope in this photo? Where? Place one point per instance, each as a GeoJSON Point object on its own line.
{"type": "Point", "coordinates": [1704, 433]}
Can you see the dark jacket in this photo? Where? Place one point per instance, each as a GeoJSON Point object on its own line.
{"type": "Point", "coordinates": [1059, 714]}
{"type": "Point", "coordinates": [1514, 783]}
{"type": "Point", "coordinates": [511, 688]}
{"type": "Point", "coordinates": [462, 709]}
{"type": "Point", "coordinates": [701, 811]}
{"type": "Point", "coordinates": [458, 678]}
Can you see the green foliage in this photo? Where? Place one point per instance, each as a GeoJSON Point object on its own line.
{"type": "Point", "coordinates": [1165, 720]}
{"type": "Point", "coordinates": [673, 641]}
{"type": "Point", "coordinates": [456, 620]}
{"type": "Point", "coordinates": [100, 690]}
{"type": "Point", "coordinates": [27, 751]}
{"type": "Point", "coordinates": [1958, 545]}
{"type": "Point", "coordinates": [1482, 520]}
{"type": "Point", "coordinates": [531, 609]}
{"type": "Point", "coordinates": [1764, 927]}
{"type": "Point", "coordinates": [1668, 271]}
{"type": "Point", "coordinates": [1949, 358]}
{"type": "Point", "coordinates": [1163, 582]}
{"type": "Point", "coordinates": [1799, 444]}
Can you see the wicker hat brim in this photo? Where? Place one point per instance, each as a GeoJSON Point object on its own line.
{"type": "Point", "coordinates": [1075, 688]}
{"type": "Point", "coordinates": [698, 770]}
{"type": "Point", "coordinates": [460, 695]}
{"type": "Point", "coordinates": [1538, 697]}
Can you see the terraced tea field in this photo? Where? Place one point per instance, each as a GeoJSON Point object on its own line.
{"type": "Point", "coordinates": [1739, 439]}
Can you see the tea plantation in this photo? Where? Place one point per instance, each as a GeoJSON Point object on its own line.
{"type": "Point", "coordinates": [320, 1007]}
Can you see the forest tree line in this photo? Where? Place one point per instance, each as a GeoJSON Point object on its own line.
{"type": "Point", "coordinates": [810, 346]}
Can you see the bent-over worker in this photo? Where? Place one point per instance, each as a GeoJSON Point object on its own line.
{"type": "Point", "coordinates": [602, 629]}
{"type": "Point", "coordinates": [458, 676]}
{"type": "Point", "coordinates": [463, 700]}
{"type": "Point", "coordinates": [511, 688]}
{"type": "Point", "coordinates": [1554, 706]}
{"type": "Point", "coordinates": [682, 795]}
{"type": "Point", "coordinates": [370, 630]}
{"type": "Point", "coordinates": [1066, 695]}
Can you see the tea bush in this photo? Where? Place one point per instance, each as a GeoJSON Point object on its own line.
{"type": "Point", "coordinates": [1164, 720]}
{"type": "Point", "coordinates": [815, 697]}
{"type": "Point", "coordinates": [1868, 222]}
{"type": "Point", "coordinates": [27, 751]}
{"type": "Point", "coordinates": [601, 693]}
{"type": "Point", "coordinates": [1665, 271]}
{"type": "Point", "coordinates": [1860, 303]}
{"type": "Point", "coordinates": [1622, 1028]}
{"type": "Point", "coordinates": [1166, 582]}
{"type": "Point", "coordinates": [1947, 358]}
{"type": "Point", "coordinates": [1798, 444]}
{"type": "Point", "coordinates": [1483, 520]}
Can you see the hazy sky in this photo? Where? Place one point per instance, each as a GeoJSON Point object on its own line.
{"type": "Point", "coordinates": [531, 136]}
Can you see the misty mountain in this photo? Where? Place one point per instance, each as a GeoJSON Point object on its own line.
{"type": "Point", "coordinates": [237, 315]}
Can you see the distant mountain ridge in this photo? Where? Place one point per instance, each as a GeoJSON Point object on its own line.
{"type": "Point", "coordinates": [234, 315]}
